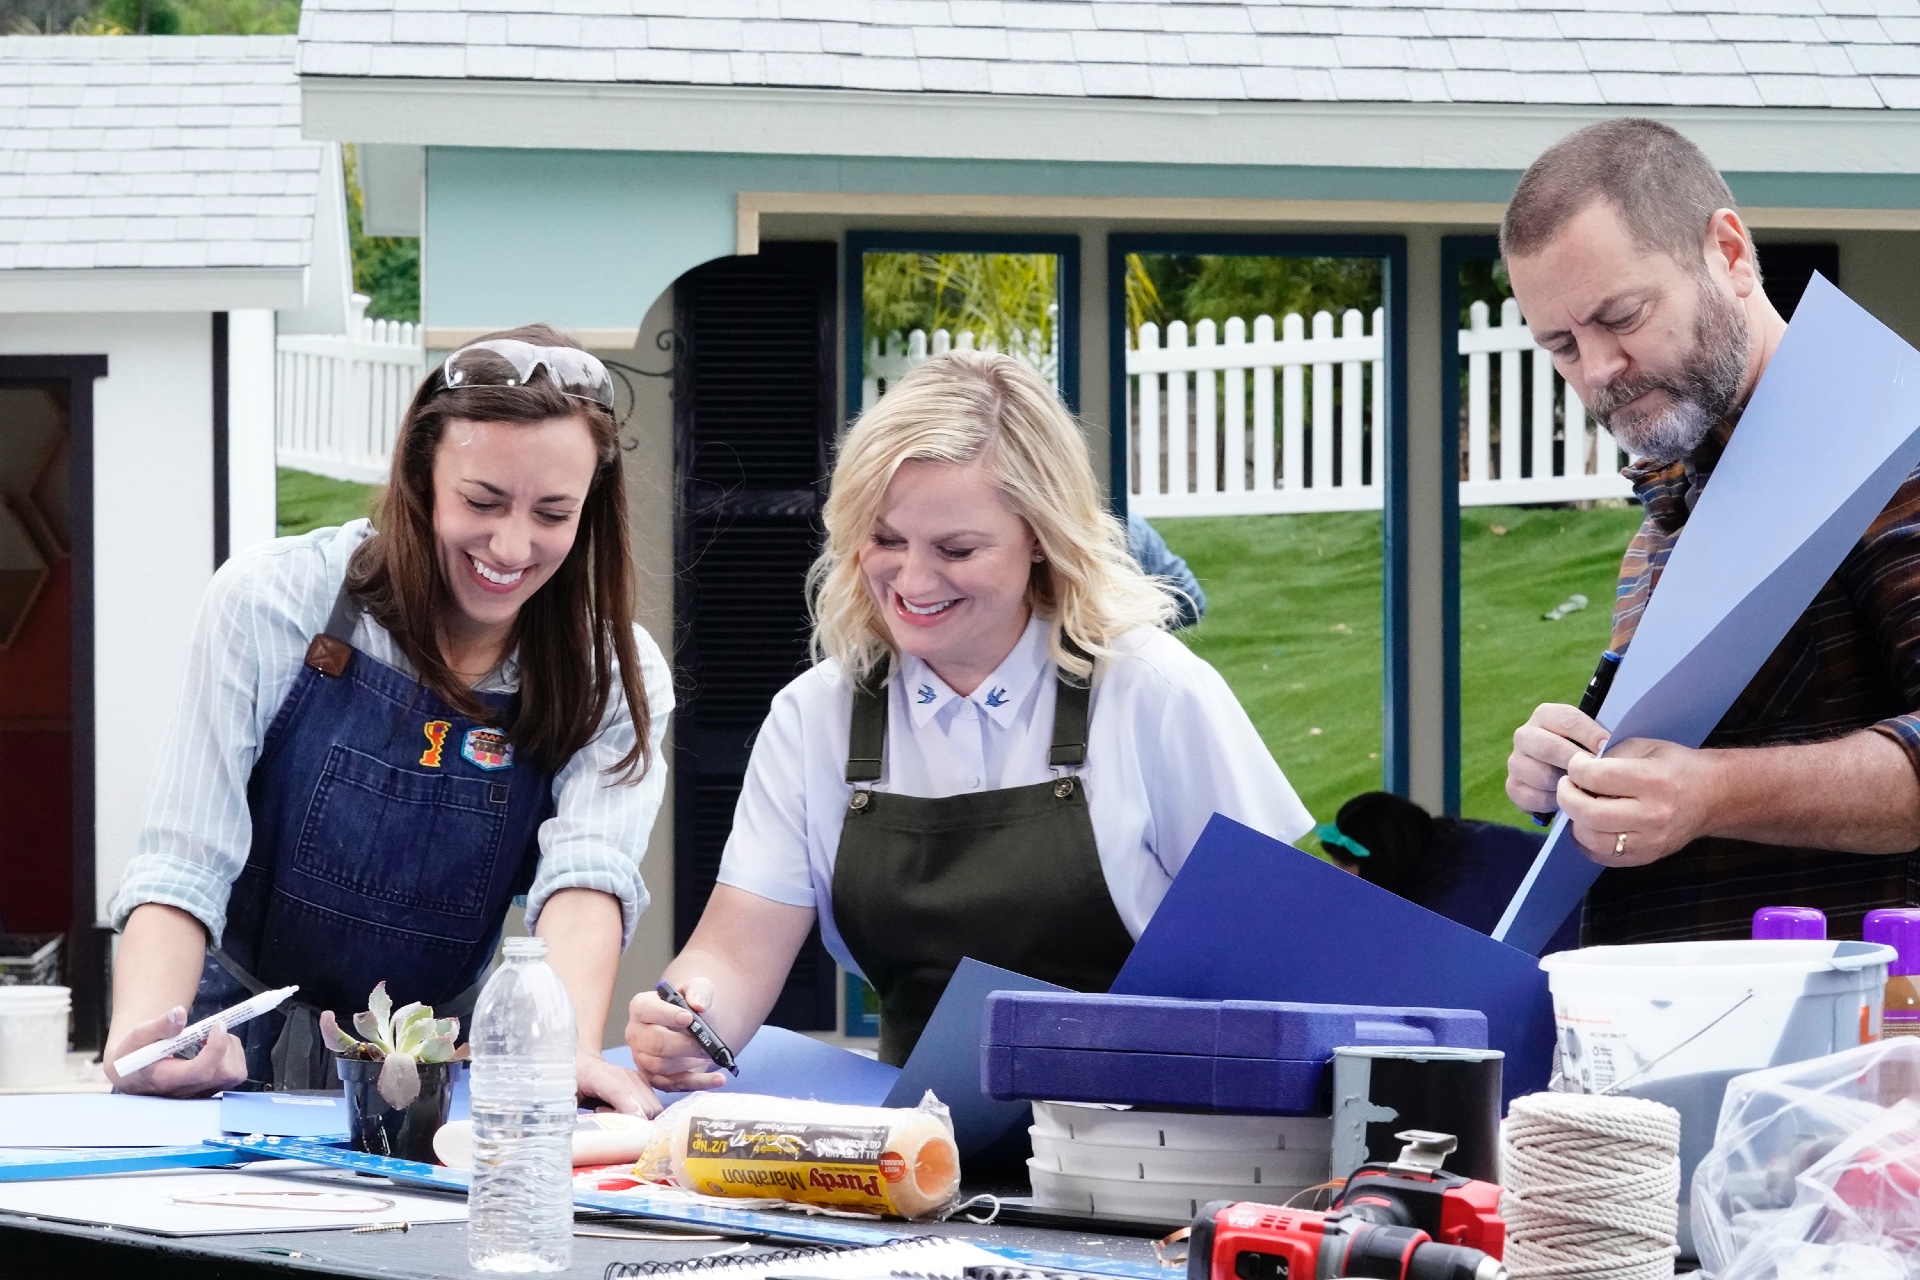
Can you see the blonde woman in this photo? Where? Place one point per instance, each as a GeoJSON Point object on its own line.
{"type": "Point", "coordinates": [1001, 752]}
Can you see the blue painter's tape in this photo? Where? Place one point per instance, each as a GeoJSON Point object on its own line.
{"type": "Point", "coordinates": [37, 1166]}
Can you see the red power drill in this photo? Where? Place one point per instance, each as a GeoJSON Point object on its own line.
{"type": "Point", "coordinates": [1407, 1220]}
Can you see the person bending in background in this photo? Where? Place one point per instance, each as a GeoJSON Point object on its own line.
{"type": "Point", "coordinates": [1464, 870]}
{"type": "Point", "coordinates": [1151, 552]}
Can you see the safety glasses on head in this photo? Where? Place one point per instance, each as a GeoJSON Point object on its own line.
{"type": "Point", "coordinates": [509, 362]}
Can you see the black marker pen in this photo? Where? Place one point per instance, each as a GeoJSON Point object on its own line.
{"type": "Point", "coordinates": [1590, 703]}
{"type": "Point", "coordinates": [715, 1047]}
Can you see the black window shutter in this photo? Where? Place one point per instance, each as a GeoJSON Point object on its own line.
{"type": "Point", "coordinates": [754, 417]}
{"type": "Point", "coordinates": [1786, 268]}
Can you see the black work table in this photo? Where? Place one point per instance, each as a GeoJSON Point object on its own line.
{"type": "Point", "coordinates": [39, 1249]}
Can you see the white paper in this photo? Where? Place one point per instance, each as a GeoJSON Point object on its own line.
{"type": "Point", "coordinates": [151, 1202]}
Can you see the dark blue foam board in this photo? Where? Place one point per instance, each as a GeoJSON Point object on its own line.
{"type": "Point", "coordinates": [1252, 918]}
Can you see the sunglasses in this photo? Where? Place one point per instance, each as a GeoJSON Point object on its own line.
{"type": "Point", "coordinates": [509, 362]}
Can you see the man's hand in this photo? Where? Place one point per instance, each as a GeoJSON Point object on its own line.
{"type": "Point", "coordinates": [220, 1064]}
{"type": "Point", "coordinates": [1660, 796]}
{"type": "Point", "coordinates": [1542, 749]}
{"type": "Point", "coordinates": [1855, 794]}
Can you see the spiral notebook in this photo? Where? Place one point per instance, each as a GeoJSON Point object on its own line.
{"type": "Point", "coordinates": [920, 1258]}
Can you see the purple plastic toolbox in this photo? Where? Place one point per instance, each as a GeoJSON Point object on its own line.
{"type": "Point", "coordinates": [1197, 1055]}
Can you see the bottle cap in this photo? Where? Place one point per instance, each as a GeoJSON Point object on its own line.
{"type": "Point", "coordinates": [518, 948]}
{"type": "Point", "coordinates": [1806, 923]}
{"type": "Point", "coordinates": [1899, 928]}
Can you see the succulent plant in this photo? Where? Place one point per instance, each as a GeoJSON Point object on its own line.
{"type": "Point", "coordinates": [400, 1039]}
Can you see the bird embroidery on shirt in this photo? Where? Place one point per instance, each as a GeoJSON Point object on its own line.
{"type": "Point", "coordinates": [998, 698]}
{"type": "Point", "coordinates": [926, 694]}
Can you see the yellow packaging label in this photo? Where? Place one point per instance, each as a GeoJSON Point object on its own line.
{"type": "Point", "coordinates": [840, 1166]}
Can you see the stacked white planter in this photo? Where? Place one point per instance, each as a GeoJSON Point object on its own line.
{"type": "Point", "coordinates": [1090, 1158]}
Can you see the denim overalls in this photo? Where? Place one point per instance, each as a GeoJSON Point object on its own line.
{"type": "Point", "coordinates": [390, 834]}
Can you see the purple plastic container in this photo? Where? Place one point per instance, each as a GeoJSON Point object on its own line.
{"type": "Point", "coordinates": [1899, 928]}
{"type": "Point", "coordinates": [1805, 923]}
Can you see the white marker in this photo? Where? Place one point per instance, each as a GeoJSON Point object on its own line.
{"type": "Point", "coordinates": [245, 1011]}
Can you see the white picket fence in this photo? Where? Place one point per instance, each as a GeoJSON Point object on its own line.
{"type": "Point", "coordinates": [1208, 436]}
{"type": "Point", "coordinates": [340, 398]}
{"type": "Point", "coordinates": [889, 362]}
{"type": "Point", "coordinates": [1572, 459]}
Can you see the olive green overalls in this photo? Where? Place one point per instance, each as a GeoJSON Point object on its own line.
{"type": "Point", "coordinates": [1010, 877]}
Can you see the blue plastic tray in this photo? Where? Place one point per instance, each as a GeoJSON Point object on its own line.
{"type": "Point", "coordinates": [1198, 1055]}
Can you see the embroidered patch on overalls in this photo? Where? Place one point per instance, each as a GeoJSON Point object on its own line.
{"type": "Point", "coordinates": [487, 748]}
{"type": "Point", "coordinates": [436, 731]}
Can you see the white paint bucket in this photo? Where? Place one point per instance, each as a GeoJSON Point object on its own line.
{"type": "Point", "coordinates": [33, 1036]}
{"type": "Point", "coordinates": [1672, 1022]}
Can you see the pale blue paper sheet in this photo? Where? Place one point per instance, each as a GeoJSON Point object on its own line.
{"type": "Point", "coordinates": [105, 1120]}
{"type": "Point", "coordinates": [1829, 434]}
{"type": "Point", "coordinates": [787, 1064]}
{"type": "Point", "coordinates": [288, 1115]}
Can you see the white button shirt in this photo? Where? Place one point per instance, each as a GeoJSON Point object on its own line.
{"type": "Point", "coordinates": [262, 609]}
{"type": "Point", "coordinates": [1168, 746]}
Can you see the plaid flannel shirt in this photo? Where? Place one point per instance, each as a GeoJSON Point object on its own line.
{"type": "Point", "coordinates": [1851, 662]}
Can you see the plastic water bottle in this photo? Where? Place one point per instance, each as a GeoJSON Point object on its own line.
{"type": "Point", "coordinates": [520, 1208]}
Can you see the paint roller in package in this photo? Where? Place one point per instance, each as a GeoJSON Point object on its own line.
{"type": "Point", "coordinates": [893, 1161]}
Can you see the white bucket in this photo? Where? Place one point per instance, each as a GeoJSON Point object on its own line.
{"type": "Point", "coordinates": [33, 1036]}
{"type": "Point", "coordinates": [1674, 1021]}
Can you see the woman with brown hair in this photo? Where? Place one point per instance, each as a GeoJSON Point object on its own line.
{"type": "Point", "coordinates": [392, 730]}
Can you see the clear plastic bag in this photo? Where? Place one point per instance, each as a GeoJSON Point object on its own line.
{"type": "Point", "coordinates": [1815, 1171]}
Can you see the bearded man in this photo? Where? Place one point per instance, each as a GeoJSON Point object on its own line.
{"type": "Point", "coordinates": [1635, 272]}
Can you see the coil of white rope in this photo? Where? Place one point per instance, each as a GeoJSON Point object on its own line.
{"type": "Point", "coordinates": [1593, 1185]}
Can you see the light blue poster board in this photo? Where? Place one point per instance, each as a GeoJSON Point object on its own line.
{"type": "Point", "coordinates": [1830, 432]}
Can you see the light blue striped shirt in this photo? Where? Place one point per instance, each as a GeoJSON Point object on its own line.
{"type": "Point", "coordinates": [261, 610]}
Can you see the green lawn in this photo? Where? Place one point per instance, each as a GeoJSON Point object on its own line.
{"type": "Point", "coordinates": [1293, 623]}
{"type": "Point", "coordinates": [309, 502]}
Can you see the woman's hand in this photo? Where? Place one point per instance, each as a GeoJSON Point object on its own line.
{"type": "Point", "coordinates": [220, 1064]}
{"type": "Point", "coordinates": [667, 1057]}
{"type": "Point", "coordinates": [618, 1087]}
{"type": "Point", "coordinates": [743, 946]}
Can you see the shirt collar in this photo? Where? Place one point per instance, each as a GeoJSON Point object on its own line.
{"type": "Point", "coordinates": [999, 696]}
{"type": "Point", "coordinates": [1669, 490]}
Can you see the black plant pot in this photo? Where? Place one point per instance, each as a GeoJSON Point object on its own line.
{"type": "Point", "coordinates": [405, 1133]}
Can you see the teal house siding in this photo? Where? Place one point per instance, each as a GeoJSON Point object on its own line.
{"type": "Point", "coordinates": [596, 236]}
